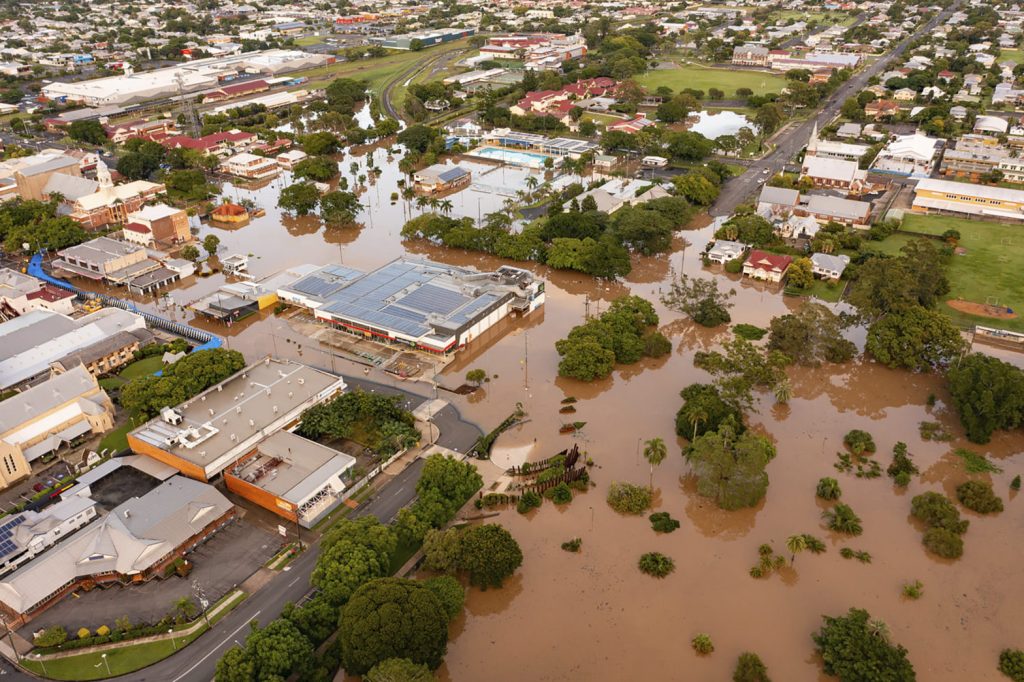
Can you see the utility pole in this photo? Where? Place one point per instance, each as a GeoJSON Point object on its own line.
{"type": "Point", "coordinates": [526, 360]}
{"type": "Point", "coordinates": [10, 636]}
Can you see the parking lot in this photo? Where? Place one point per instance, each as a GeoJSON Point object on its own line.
{"type": "Point", "coordinates": [222, 562]}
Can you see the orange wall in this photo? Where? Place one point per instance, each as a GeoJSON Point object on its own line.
{"type": "Point", "coordinates": [259, 496]}
{"type": "Point", "coordinates": [191, 470]}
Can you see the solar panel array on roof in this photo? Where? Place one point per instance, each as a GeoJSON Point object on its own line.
{"type": "Point", "coordinates": [326, 281]}
{"type": "Point", "coordinates": [468, 312]}
{"type": "Point", "coordinates": [7, 544]}
{"type": "Point", "coordinates": [451, 174]}
{"type": "Point", "coordinates": [430, 298]}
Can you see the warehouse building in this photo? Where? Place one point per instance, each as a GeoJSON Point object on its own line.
{"type": "Point", "coordinates": [429, 306]}
{"type": "Point", "coordinates": [293, 477]}
{"type": "Point", "coordinates": [193, 76]}
{"type": "Point", "coordinates": [404, 41]}
{"type": "Point", "coordinates": [213, 430]}
{"type": "Point", "coordinates": [943, 196]}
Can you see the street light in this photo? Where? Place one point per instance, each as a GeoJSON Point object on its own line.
{"type": "Point", "coordinates": [173, 643]}
{"type": "Point", "coordinates": [105, 661]}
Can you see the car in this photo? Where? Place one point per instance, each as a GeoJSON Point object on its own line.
{"type": "Point", "coordinates": [766, 171]}
{"type": "Point", "coordinates": [39, 487]}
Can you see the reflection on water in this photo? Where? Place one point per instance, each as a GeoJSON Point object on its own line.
{"type": "Point", "coordinates": [621, 623]}
{"type": "Point", "coordinates": [725, 122]}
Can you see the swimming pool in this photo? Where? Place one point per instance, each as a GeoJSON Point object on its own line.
{"type": "Point", "coordinates": [512, 157]}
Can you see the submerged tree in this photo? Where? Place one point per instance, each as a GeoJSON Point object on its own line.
{"type": "Point", "coordinates": [701, 299]}
{"type": "Point", "coordinates": [730, 469]}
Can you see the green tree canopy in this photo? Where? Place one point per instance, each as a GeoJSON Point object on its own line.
{"type": "Point", "coordinates": [399, 670]}
{"type": "Point", "coordinates": [489, 554]}
{"type": "Point", "coordinates": [988, 393]}
{"type": "Point", "coordinates": [300, 198]}
{"type": "Point", "coordinates": [271, 653]}
{"type": "Point", "coordinates": [705, 410]}
{"type": "Point", "coordinates": [810, 335]}
{"type": "Point", "coordinates": [731, 469]}
{"type": "Point", "coordinates": [857, 649]}
{"type": "Point", "coordinates": [916, 338]}
{"type": "Point", "coordinates": [392, 618]}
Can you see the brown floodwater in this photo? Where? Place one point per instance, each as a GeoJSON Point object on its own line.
{"type": "Point", "coordinates": [593, 615]}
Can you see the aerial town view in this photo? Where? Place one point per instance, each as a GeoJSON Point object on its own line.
{"type": "Point", "coordinates": [410, 340]}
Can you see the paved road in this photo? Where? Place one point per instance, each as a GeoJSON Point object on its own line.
{"type": "Point", "coordinates": [739, 189]}
{"type": "Point", "coordinates": [397, 494]}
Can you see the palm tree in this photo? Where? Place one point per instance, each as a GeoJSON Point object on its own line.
{"type": "Point", "coordinates": [434, 202]}
{"type": "Point", "coordinates": [445, 205]}
{"type": "Point", "coordinates": [878, 628]}
{"type": "Point", "coordinates": [783, 390]}
{"type": "Point", "coordinates": [655, 453]}
{"type": "Point", "coordinates": [422, 203]}
{"type": "Point", "coordinates": [795, 544]}
{"type": "Point", "coordinates": [697, 417]}
{"type": "Point", "coordinates": [531, 183]}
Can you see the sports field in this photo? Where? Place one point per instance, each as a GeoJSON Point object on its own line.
{"type": "Point", "coordinates": [987, 271]}
{"type": "Point", "coordinates": [704, 77]}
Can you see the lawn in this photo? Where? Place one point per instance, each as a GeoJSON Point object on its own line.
{"type": "Point", "coordinates": [989, 269]}
{"type": "Point", "coordinates": [703, 77]}
{"type": "Point", "coordinates": [117, 440]}
{"type": "Point", "coordinates": [306, 41]}
{"type": "Point", "coordinates": [1006, 55]}
{"type": "Point", "coordinates": [601, 119]}
{"type": "Point", "coordinates": [150, 365]}
{"type": "Point", "coordinates": [823, 18]}
{"type": "Point", "coordinates": [402, 554]}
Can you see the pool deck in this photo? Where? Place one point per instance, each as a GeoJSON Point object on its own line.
{"type": "Point", "coordinates": [512, 157]}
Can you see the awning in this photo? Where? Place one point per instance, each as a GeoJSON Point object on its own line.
{"type": "Point", "coordinates": [54, 441]}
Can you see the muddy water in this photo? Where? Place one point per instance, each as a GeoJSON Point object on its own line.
{"type": "Point", "coordinates": [594, 616]}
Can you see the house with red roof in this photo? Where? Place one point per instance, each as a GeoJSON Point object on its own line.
{"type": "Point", "coordinates": [632, 126]}
{"type": "Point", "coordinates": [770, 267]}
{"type": "Point", "coordinates": [881, 108]}
{"type": "Point", "coordinates": [558, 103]}
{"type": "Point", "coordinates": [155, 130]}
{"type": "Point", "coordinates": [237, 90]}
{"type": "Point", "coordinates": [215, 143]}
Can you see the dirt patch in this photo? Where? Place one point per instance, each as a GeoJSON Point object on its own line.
{"type": "Point", "coordinates": [997, 312]}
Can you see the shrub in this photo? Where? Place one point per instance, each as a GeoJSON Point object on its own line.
{"type": "Point", "coordinates": [656, 564]}
{"type": "Point", "coordinates": [1015, 483]}
{"type": "Point", "coordinates": [828, 489]}
{"type": "Point", "coordinates": [902, 467]}
{"type": "Point", "coordinates": [1011, 664]}
{"type": "Point", "coordinates": [559, 494]}
{"type": "Point", "coordinates": [749, 668]}
{"type": "Point", "coordinates": [814, 545]}
{"type": "Point", "coordinates": [702, 644]}
{"type": "Point", "coordinates": [51, 636]}
{"type": "Point", "coordinates": [735, 266]}
{"type": "Point", "coordinates": [913, 590]}
{"type": "Point", "coordinates": [572, 545]}
{"type": "Point", "coordinates": [842, 519]}
{"type": "Point", "coordinates": [529, 500]}
{"type": "Point", "coordinates": [102, 631]}
{"type": "Point", "coordinates": [627, 498]}
{"type": "Point", "coordinates": [83, 633]}
{"type": "Point", "coordinates": [663, 522]}
{"type": "Point", "coordinates": [856, 648]}
{"type": "Point", "coordinates": [937, 511]}
{"type": "Point", "coordinates": [978, 497]}
{"type": "Point", "coordinates": [859, 442]}
{"type": "Point", "coordinates": [859, 555]}
{"type": "Point", "coordinates": [944, 543]}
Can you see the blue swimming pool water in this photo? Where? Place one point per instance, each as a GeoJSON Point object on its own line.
{"type": "Point", "coordinates": [511, 156]}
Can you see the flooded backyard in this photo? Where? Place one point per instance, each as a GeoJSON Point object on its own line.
{"type": "Point", "coordinates": [593, 615]}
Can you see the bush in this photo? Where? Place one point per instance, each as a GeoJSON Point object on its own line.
{"type": "Point", "coordinates": [749, 332]}
{"type": "Point", "coordinates": [749, 668]}
{"type": "Point", "coordinates": [103, 631]}
{"type": "Point", "coordinates": [662, 522]}
{"type": "Point", "coordinates": [913, 590]}
{"type": "Point", "coordinates": [735, 266]}
{"type": "Point", "coordinates": [944, 543]}
{"type": "Point", "coordinates": [936, 511]}
{"type": "Point", "coordinates": [1011, 664]}
{"type": "Point", "coordinates": [828, 489]}
{"type": "Point", "coordinates": [976, 463]}
{"type": "Point", "coordinates": [51, 636]}
{"type": "Point", "coordinates": [856, 648]}
{"type": "Point", "coordinates": [1015, 483]}
{"type": "Point", "coordinates": [859, 442]}
{"type": "Point", "coordinates": [656, 344]}
{"type": "Point", "coordinates": [842, 519]}
{"type": "Point", "coordinates": [572, 545]}
{"type": "Point", "coordinates": [859, 555]}
{"type": "Point", "coordinates": [559, 494]}
{"type": "Point", "coordinates": [702, 644]}
{"type": "Point", "coordinates": [902, 467]}
{"type": "Point", "coordinates": [529, 500]}
{"type": "Point", "coordinates": [978, 497]}
{"type": "Point", "coordinates": [656, 564]}
{"type": "Point", "coordinates": [83, 633]}
{"type": "Point", "coordinates": [627, 498]}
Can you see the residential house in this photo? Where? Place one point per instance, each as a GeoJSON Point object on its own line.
{"type": "Point", "coordinates": [829, 266]}
{"type": "Point", "coordinates": [770, 267]}
{"type": "Point", "coordinates": [777, 202]}
{"type": "Point", "coordinates": [723, 251]}
{"type": "Point", "coordinates": [631, 126]}
{"type": "Point", "coordinates": [160, 225]}
{"type": "Point", "coordinates": [881, 108]}
{"type": "Point", "coordinates": [826, 209]}
{"type": "Point", "coordinates": [63, 410]}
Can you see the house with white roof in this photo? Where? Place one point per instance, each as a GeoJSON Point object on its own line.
{"type": "Point", "coordinates": [908, 155]}
{"type": "Point", "coordinates": [724, 251]}
{"type": "Point", "coordinates": [829, 266]}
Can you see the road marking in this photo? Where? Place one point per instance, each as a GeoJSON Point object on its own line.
{"type": "Point", "coordinates": [214, 650]}
{"type": "Point", "coordinates": [294, 581]}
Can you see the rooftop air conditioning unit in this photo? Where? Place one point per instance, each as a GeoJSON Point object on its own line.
{"type": "Point", "coordinates": [170, 416]}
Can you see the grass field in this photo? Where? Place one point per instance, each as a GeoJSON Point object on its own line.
{"type": "Point", "coordinates": [704, 77]}
{"type": "Point", "coordinates": [989, 270]}
{"type": "Point", "coordinates": [1011, 55]}
{"type": "Point", "coordinates": [600, 119]}
{"type": "Point", "coordinates": [829, 18]}
{"type": "Point", "coordinates": [306, 41]}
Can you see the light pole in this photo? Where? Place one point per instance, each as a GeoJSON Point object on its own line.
{"type": "Point", "coordinates": [107, 663]}
{"type": "Point", "coordinates": [173, 643]}
{"type": "Point", "coordinates": [41, 662]}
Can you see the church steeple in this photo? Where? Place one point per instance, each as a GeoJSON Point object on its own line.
{"type": "Point", "coordinates": [812, 144]}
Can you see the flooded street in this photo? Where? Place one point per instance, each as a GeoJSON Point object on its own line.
{"type": "Point", "coordinates": [594, 615]}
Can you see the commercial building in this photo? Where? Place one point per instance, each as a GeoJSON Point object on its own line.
{"type": "Point", "coordinates": [44, 418]}
{"type": "Point", "coordinates": [552, 146]}
{"type": "Point", "coordinates": [834, 150]}
{"type": "Point", "coordinates": [426, 305]}
{"type": "Point", "coordinates": [441, 178]}
{"type": "Point", "coordinates": [192, 76]}
{"type": "Point", "coordinates": [132, 542]}
{"type": "Point", "coordinates": [27, 534]}
{"type": "Point", "coordinates": [836, 174]}
{"type": "Point", "coordinates": [983, 201]}
{"type": "Point", "coordinates": [105, 259]}
{"type": "Point", "coordinates": [536, 51]}
{"type": "Point", "coordinates": [213, 430]}
{"type": "Point", "coordinates": [102, 341]}
{"type": "Point", "coordinates": [20, 294]}
{"type": "Point", "coordinates": [161, 225]}
{"type": "Point", "coordinates": [422, 39]}
{"type": "Point", "coordinates": [33, 176]}
{"type": "Point", "coordinates": [909, 156]}
{"type": "Point", "coordinates": [750, 55]}
{"type": "Point", "coordinates": [293, 477]}
{"type": "Point", "coordinates": [250, 166]}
